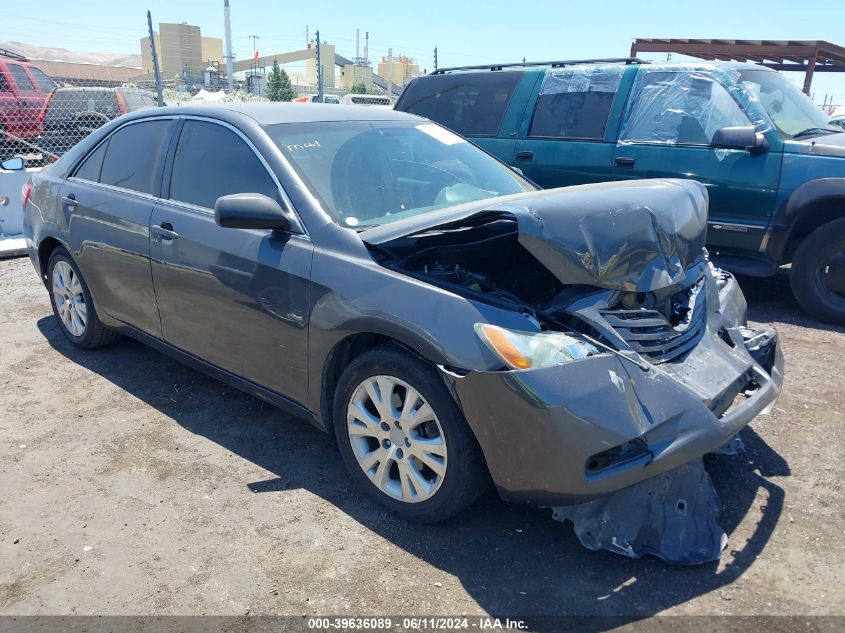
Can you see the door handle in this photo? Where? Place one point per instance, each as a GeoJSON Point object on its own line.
{"type": "Point", "coordinates": [70, 201]}
{"type": "Point", "coordinates": [525, 155]}
{"type": "Point", "coordinates": [624, 161]}
{"type": "Point", "coordinates": [165, 231]}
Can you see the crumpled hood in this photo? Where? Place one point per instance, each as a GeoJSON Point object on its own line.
{"type": "Point", "coordinates": [637, 235]}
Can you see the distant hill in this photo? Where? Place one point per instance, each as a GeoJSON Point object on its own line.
{"type": "Point", "coordinates": [52, 54]}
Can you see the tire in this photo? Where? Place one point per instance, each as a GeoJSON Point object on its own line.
{"type": "Point", "coordinates": [427, 496]}
{"type": "Point", "coordinates": [66, 285]}
{"type": "Point", "coordinates": [812, 268]}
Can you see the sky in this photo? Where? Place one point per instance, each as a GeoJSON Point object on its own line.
{"type": "Point", "coordinates": [465, 31]}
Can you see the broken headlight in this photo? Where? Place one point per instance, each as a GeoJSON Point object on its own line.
{"type": "Point", "coordinates": [529, 350]}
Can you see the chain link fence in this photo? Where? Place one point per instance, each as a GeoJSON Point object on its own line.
{"type": "Point", "coordinates": [42, 117]}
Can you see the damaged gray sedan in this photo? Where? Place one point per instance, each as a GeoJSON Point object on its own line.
{"type": "Point", "coordinates": [398, 287]}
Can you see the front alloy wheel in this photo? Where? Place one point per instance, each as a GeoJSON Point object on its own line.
{"type": "Point", "coordinates": [396, 438]}
{"type": "Point", "coordinates": [403, 437]}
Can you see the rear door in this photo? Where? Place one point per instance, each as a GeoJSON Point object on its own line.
{"type": "Point", "coordinates": [107, 203]}
{"type": "Point", "coordinates": [474, 105]}
{"type": "Point", "coordinates": [30, 99]}
{"type": "Point", "coordinates": [10, 114]}
{"type": "Point", "coordinates": [23, 124]}
{"type": "Point", "coordinates": [236, 298]}
{"type": "Point", "coordinates": [569, 134]}
{"type": "Point", "coordinates": [668, 128]}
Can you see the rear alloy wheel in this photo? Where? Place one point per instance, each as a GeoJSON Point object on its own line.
{"type": "Point", "coordinates": [404, 439]}
{"type": "Point", "coordinates": [69, 299]}
{"type": "Point", "coordinates": [72, 304]}
{"type": "Point", "coordinates": [818, 273]}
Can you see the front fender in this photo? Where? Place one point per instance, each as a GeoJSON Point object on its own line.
{"type": "Point", "coordinates": [354, 295]}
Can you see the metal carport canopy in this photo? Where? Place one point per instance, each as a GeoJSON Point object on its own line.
{"type": "Point", "coordinates": [804, 56]}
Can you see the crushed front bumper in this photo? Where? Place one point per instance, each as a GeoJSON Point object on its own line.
{"type": "Point", "coordinates": [570, 433]}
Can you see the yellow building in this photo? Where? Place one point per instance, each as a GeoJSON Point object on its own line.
{"type": "Point", "coordinates": [327, 62]}
{"type": "Point", "coordinates": [352, 74]}
{"type": "Point", "coordinates": [182, 50]}
{"type": "Point", "coordinates": [404, 69]}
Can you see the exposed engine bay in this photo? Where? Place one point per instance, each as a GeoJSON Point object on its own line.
{"type": "Point", "coordinates": [486, 261]}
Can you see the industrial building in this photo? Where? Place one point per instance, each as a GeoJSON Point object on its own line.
{"type": "Point", "coordinates": [400, 71]}
{"type": "Point", "coordinates": [183, 51]}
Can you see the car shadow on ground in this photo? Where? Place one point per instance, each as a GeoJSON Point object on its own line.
{"type": "Point", "coordinates": [513, 560]}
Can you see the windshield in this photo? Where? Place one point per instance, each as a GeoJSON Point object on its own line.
{"type": "Point", "coordinates": [792, 112]}
{"type": "Point", "coordinates": [372, 172]}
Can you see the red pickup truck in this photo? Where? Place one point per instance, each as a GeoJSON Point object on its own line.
{"type": "Point", "coordinates": [24, 90]}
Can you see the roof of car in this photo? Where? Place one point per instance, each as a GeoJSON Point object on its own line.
{"type": "Point", "coordinates": [267, 113]}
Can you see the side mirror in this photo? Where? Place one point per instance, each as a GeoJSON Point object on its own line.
{"type": "Point", "coordinates": [12, 164]}
{"type": "Point", "coordinates": [250, 211]}
{"type": "Point", "coordinates": [745, 137]}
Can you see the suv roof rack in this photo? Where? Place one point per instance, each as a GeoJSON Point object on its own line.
{"type": "Point", "coordinates": [12, 55]}
{"type": "Point", "coordinates": [554, 64]}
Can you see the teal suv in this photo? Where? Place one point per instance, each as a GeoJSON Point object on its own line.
{"type": "Point", "coordinates": [772, 162]}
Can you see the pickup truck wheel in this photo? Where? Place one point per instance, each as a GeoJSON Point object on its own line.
{"type": "Point", "coordinates": [818, 273]}
{"type": "Point", "coordinates": [72, 304]}
{"type": "Point", "coordinates": [403, 438]}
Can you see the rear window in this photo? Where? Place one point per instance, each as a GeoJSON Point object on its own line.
{"type": "Point", "coordinates": [68, 104]}
{"type": "Point", "coordinates": [21, 78]}
{"type": "Point", "coordinates": [472, 104]}
{"type": "Point", "coordinates": [133, 157]}
{"type": "Point", "coordinates": [44, 82]}
{"type": "Point", "coordinates": [575, 103]}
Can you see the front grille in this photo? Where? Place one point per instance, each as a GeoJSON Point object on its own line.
{"type": "Point", "coordinates": [650, 333]}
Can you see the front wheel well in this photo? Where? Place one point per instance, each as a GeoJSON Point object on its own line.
{"type": "Point", "coordinates": [813, 215]}
{"type": "Point", "coordinates": [338, 360]}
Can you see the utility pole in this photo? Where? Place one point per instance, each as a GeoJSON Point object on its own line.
{"type": "Point", "coordinates": [254, 65]}
{"type": "Point", "coordinates": [155, 60]}
{"type": "Point", "coordinates": [230, 59]}
{"type": "Point", "coordinates": [389, 72]}
{"type": "Point", "coordinates": [357, 55]}
{"type": "Point", "coordinates": [319, 70]}
{"type": "Point", "coordinates": [435, 58]}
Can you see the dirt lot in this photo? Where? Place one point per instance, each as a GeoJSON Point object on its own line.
{"type": "Point", "coordinates": [133, 485]}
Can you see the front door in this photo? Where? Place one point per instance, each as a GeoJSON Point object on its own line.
{"type": "Point", "coordinates": [667, 134]}
{"type": "Point", "coordinates": [235, 298]}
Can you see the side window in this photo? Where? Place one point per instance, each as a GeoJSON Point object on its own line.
{"type": "Point", "coordinates": [680, 108]}
{"type": "Point", "coordinates": [21, 78]}
{"type": "Point", "coordinates": [134, 155]}
{"type": "Point", "coordinates": [91, 166]}
{"type": "Point", "coordinates": [471, 104]}
{"type": "Point", "coordinates": [212, 161]}
{"type": "Point", "coordinates": [4, 85]}
{"type": "Point", "coordinates": [575, 103]}
{"type": "Point", "coordinates": [43, 81]}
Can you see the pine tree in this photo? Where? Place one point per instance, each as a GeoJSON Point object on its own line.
{"type": "Point", "coordinates": [279, 87]}
{"type": "Point", "coordinates": [360, 88]}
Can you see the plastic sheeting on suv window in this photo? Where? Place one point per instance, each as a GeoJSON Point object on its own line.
{"type": "Point", "coordinates": [575, 102]}
{"type": "Point", "coordinates": [686, 105]}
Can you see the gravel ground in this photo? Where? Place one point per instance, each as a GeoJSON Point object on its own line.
{"type": "Point", "coordinates": [134, 485]}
